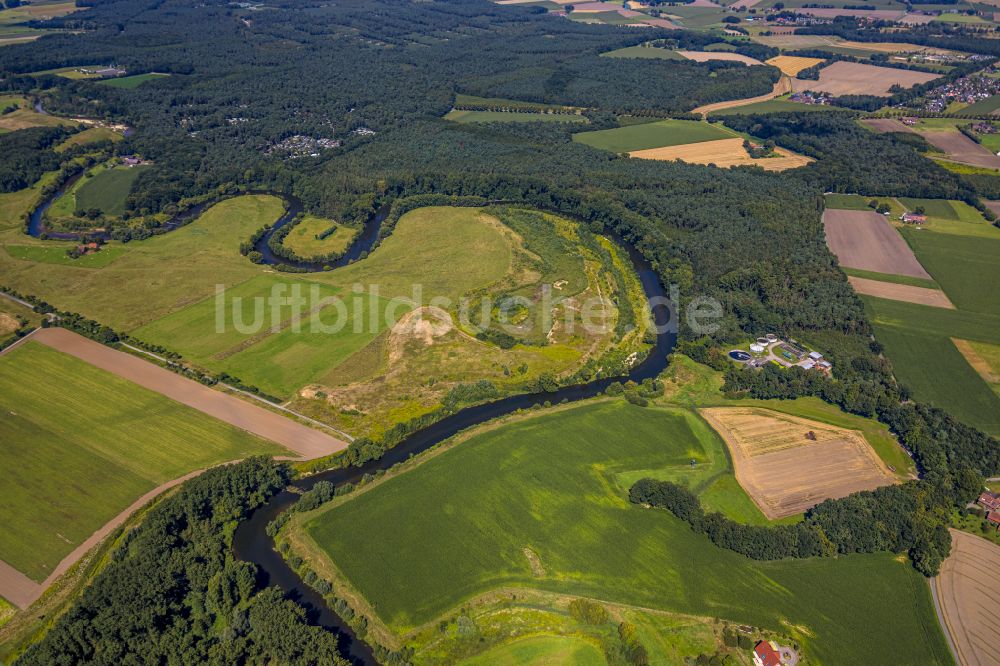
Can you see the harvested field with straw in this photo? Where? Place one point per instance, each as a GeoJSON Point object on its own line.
{"type": "Point", "coordinates": [865, 240]}
{"type": "Point", "coordinates": [901, 292]}
{"type": "Point", "coordinates": [789, 464]}
{"type": "Point", "coordinates": [886, 125]}
{"type": "Point", "coordinates": [792, 65]}
{"type": "Point", "coordinates": [723, 153]}
{"type": "Point", "coordinates": [851, 78]}
{"type": "Point", "coordinates": [783, 86]}
{"type": "Point", "coordinates": [968, 592]}
{"type": "Point", "coordinates": [705, 56]}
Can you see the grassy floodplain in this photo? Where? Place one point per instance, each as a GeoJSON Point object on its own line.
{"type": "Point", "coordinates": [458, 525]}
{"type": "Point", "coordinates": [82, 444]}
{"type": "Point", "coordinates": [108, 190]}
{"type": "Point", "coordinates": [303, 237]}
{"type": "Point", "coordinates": [56, 254]}
{"type": "Point", "coordinates": [653, 135]}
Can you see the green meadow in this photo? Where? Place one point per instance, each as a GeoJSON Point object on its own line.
{"type": "Point", "coordinates": [648, 52]}
{"type": "Point", "coordinates": [81, 445]}
{"type": "Point", "coordinates": [49, 254]}
{"type": "Point", "coordinates": [129, 82]}
{"type": "Point", "coordinates": [538, 650]}
{"type": "Point", "coordinates": [462, 116]}
{"type": "Point", "coordinates": [966, 267]}
{"type": "Point", "coordinates": [108, 190]}
{"type": "Point", "coordinates": [652, 135]}
{"type": "Point", "coordinates": [775, 106]}
{"type": "Point", "coordinates": [422, 543]}
{"type": "Point", "coordinates": [302, 239]}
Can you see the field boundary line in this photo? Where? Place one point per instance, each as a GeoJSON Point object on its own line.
{"type": "Point", "coordinates": [250, 395]}
{"type": "Point", "coordinates": [18, 343]}
{"type": "Point", "coordinates": [296, 437]}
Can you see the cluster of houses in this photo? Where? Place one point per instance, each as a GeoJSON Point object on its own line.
{"type": "Point", "coordinates": [968, 89]}
{"type": "Point", "coordinates": [300, 145]}
{"type": "Point", "coordinates": [913, 218]}
{"type": "Point", "coordinates": [769, 653]}
{"type": "Point", "coordinates": [991, 503]}
{"type": "Point", "coordinates": [811, 97]}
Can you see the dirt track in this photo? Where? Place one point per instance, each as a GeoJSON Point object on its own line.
{"type": "Point", "coordinates": [865, 240]}
{"type": "Point", "coordinates": [784, 85]}
{"type": "Point", "coordinates": [901, 292]}
{"type": "Point", "coordinates": [784, 471]}
{"type": "Point", "coordinates": [306, 442]}
{"type": "Point", "coordinates": [968, 591]}
{"type": "Point", "coordinates": [960, 148]}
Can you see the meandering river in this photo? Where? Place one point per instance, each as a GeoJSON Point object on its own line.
{"type": "Point", "coordinates": [251, 542]}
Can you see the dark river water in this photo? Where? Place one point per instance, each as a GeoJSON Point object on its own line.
{"type": "Point", "coordinates": [251, 542]}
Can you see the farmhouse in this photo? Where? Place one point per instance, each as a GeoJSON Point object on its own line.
{"type": "Point", "coordinates": [764, 654]}
{"type": "Point", "coordinates": [914, 218]}
{"type": "Point", "coordinates": [989, 501]}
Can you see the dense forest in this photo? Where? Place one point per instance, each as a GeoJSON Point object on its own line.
{"type": "Point", "coordinates": [173, 594]}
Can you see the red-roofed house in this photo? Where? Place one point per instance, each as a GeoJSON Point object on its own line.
{"type": "Point", "coordinates": [764, 654]}
{"type": "Point", "coordinates": [989, 501]}
{"type": "Point", "coordinates": [994, 517]}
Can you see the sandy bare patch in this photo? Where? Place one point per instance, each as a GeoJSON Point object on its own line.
{"type": "Point", "coordinates": [303, 440]}
{"type": "Point", "coordinates": [792, 65]}
{"type": "Point", "coordinates": [978, 363]}
{"type": "Point", "coordinates": [8, 324]}
{"type": "Point", "coordinates": [960, 148]}
{"type": "Point", "coordinates": [705, 56]}
{"type": "Point", "coordinates": [782, 87]}
{"type": "Point", "coordinates": [851, 78]}
{"type": "Point", "coordinates": [422, 325]}
{"type": "Point", "coordinates": [968, 592]}
{"type": "Point", "coordinates": [901, 292]}
{"type": "Point", "coordinates": [789, 464]}
{"type": "Point", "coordinates": [865, 240]}
{"type": "Point", "coordinates": [722, 153]}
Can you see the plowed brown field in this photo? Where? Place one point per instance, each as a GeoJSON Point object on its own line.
{"type": "Point", "coordinates": [865, 240]}
{"type": "Point", "coordinates": [901, 292]}
{"type": "Point", "coordinates": [968, 592]}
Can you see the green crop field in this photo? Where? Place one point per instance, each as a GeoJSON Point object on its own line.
{"type": "Point", "coordinates": [889, 277]}
{"type": "Point", "coordinates": [967, 268]}
{"type": "Point", "coordinates": [302, 238]}
{"type": "Point", "coordinates": [457, 526]}
{"type": "Point", "coordinates": [108, 190]}
{"type": "Point", "coordinates": [774, 106]}
{"type": "Point", "coordinates": [131, 81]}
{"type": "Point", "coordinates": [474, 100]}
{"type": "Point", "coordinates": [653, 135]}
{"type": "Point", "coordinates": [81, 445]}
{"type": "Point", "coordinates": [847, 201]}
{"type": "Point", "coordinates": [460, 116]}
{"type": "Point", "coordinates": [56, 254]}
{"type": "Point", "coordinates": [985, 106]}
{"type": "Point", "coordinates": [648, 52]}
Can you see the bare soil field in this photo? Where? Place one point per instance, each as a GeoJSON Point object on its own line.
{"type": "Point", "coordinates": [993, 206]}
{"type": "Point", "coordinates": [968, 594]}
{"type": "Point", "coordinates": [851, 78]}
{"type": "Point", "coordinates": [722, 153]}
{"type": "Point", "coordinates": [789, 464]}
{"type": "Point", "coordinates": [705, 56]}
{"type": "Point", "coordinates": [662, 23]}
{"type": "Point", "coordinates": [865, 240]}
{"type": "Point", "coordinates": [960, 148]}
{"type": "Point", "coordinates": [744, 4]}
{"type": "Point", "coordinates": [303, 440]}
{"type": "Point", "coordinates": [886, 125]}
{"type": "Point", "coordinates": [792, 65]}
{"type": "Point", "coordinates": [901, 292]}
{"type": "Point", "coordinates": [783, 86]}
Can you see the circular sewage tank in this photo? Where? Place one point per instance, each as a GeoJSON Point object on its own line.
{"type": "Point", "coordinates": [739, 355]}
{"type": "Point", "coordinates": [757, 349]}
{"type": "Point", "coordinates": [762, 341]}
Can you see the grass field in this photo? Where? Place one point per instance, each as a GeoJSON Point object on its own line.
{"type": "Point", "coordinates": [985, 106]}
{"type": "Point", "coordinates": [951, 217]}
{"type": "Point", "coordinates": [652, 135]}
{"type": "Point", "coordinates": [129, 82]}
{"type": "Point", "coordinates": [474, 100]}
{"type": "Point", "coordinates": [7, 611]}
{"type": "Point", "coordinates": [457, 526]}
{"type": "Point", "coordinates": [56, 254]}
{"type": "Point", "coordinates": [81, 445]}
{"type": "Point", "coordinates": [108, 190]}
{"type": "Point", "coordinates": [889, 277]}
{"type": "Point", "coordinates": [89, 136]}
{"type": "Point", "coordinates": [648, 52]}
{"type": "Point", "coordinates": [966, 267]}
{"type": "Point", "coordinates": [541, 650]}
{"type": "Point", "coordinates": [460, 116]}
{"type": "Point", "coordinates": [302, 238]}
